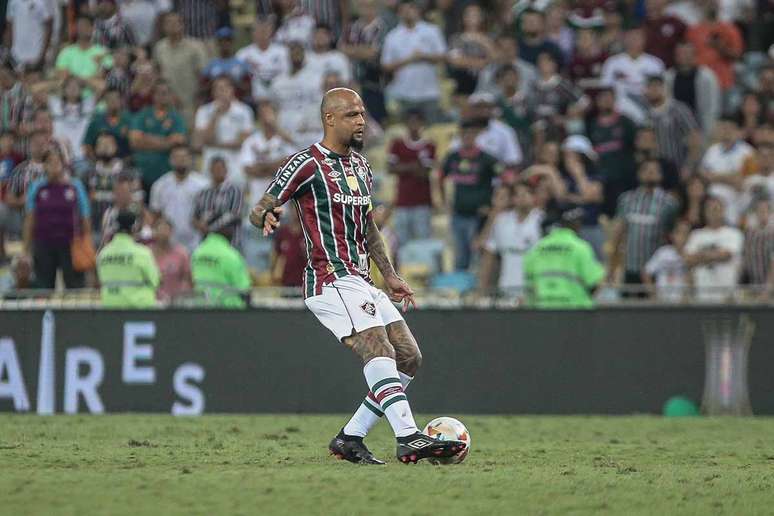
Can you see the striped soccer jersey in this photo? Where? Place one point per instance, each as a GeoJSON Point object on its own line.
{"type": "Point", "coordinates": [332, 194]}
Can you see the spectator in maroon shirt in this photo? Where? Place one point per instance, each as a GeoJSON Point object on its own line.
{"type": "Point", "coordinates": [411, 159]}
{"type": "Point", "coordinates": [586, 65]}
{"type": "Point", "coordinates": [662, 32]}
{"type": "Point", "coordinates": [57, 208]}
{"type": "Point", "coordinates": [289, 258]}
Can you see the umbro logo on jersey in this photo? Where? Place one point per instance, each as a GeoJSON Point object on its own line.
{"type": "Point", "coordinates": [418, 444]}
{"type": "Point", "coordinates": [369, 308]}
{"type": "Point", "coordinates": [334, 174]}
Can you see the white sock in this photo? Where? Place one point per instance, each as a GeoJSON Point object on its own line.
{"type": "Point", "coordinates": [369, 412]}
{"type": "Point", "coordinates": [383, 379]}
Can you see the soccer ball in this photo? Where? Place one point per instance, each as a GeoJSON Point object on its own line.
{"type": "Point", "coordinates": [448, 429]}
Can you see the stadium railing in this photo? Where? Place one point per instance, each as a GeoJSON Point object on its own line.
{"type": "Point", "coordinates": [436, 298]}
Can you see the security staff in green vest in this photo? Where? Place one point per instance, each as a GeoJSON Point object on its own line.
{"type": "Point", "coordinates": [219, 271]}
{"type": "Point", "coordinates": [127, 270]}
{"type": "Point", "coordinates": [561, 270]}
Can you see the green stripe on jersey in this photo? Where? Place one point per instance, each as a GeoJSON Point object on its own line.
{"type": "Point", "coordinates": [324, 213]}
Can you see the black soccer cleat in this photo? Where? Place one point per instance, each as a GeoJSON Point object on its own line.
{"type": "Point", "coordinates": [352, 449]}
{"type": "Point", "coordinates": [419, 446]}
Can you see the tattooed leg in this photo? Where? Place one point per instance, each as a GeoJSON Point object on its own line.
{"type": "Point", "coordinates": [407, 354]}
{"type": "Point", "coordinates": [371, 343]}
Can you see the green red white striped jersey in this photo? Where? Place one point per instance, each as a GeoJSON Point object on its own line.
{"type": "Point", "coordinates": [332, 194]}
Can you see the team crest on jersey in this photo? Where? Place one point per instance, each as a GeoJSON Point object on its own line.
{"type": "Point", "coordinates": [352, 183]}
{"type": "Point", "coordinates": [369, 308]}
{"type": "Point", "coordinates": [361, 171]}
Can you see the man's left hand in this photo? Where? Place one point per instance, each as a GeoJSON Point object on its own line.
{"type": "Point", "coordinates": [399, 291]}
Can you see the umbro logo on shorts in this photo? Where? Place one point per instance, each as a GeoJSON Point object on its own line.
{"type": "Point", "coordinates": [419, 443]}
{"type": "Point", "coordinates": [369, 308]}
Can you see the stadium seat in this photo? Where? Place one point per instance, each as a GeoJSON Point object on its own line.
{"type": "Point", "coordinates": [460, 282]}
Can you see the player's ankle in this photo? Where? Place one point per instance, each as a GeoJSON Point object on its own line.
{"type": "Point", "coordinates": [344, 437]}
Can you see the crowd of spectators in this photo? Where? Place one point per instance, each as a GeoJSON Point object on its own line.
{"type": "Point", "coordinates": [485, 120]}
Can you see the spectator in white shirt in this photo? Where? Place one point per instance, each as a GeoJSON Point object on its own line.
{"type": "Point", "coordinates": [629, 71]}
{"type": "Point", "coordinates": [714, 255]}
{"type": "Point", "coordinates": [142, 16]}
{"type": "Point", "coordinates": [71, 112]}
{"type": "Point", "coordinates": [297, 95]}
{"type": "Point", "coordinates": [507, 55]}
{"type": "Point", "coordinates": [173, 196]}
{"type": "Point", "coordinates": [222, 126]}
{"type": "Point", "coordinates": [410, 54]}
{"type": "Point", "coordinates": [497, 139]}
{"type": "Point", "coordinates": [510, 233]}
{"type": "Point", "coordinates": [324, 58]}
{"type": "Point", "coordinates": [29, 27]}
{"type": "Point", "coordinates": [295, 24]}
{"type": "Point", "coordinates": [665, 273]}
{"type": "Point", "coordinates": [263, 152]}
{"type": "Point", "coordinates": [725, 165]}
{"type": "Point", "coordinates": [266, 60]}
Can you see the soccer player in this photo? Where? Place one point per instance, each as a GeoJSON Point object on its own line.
{"type": "Point", "coordinates": [330, 184]}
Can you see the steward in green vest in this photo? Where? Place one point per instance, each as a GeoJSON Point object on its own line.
{"type": "Point", "coordinates": [561, 270]}
{"type": "Point", "coordinates": [128, 273]}
{"type": "Point", "coordinates": [219, 271]}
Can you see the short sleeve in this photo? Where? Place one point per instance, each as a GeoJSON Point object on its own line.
{"type": "Point", "coordinates": [439, 43]}
{"type": "Point", "coordinates": [246, 155]}
{"type": "Point", "coordinates": [654, 264]}
{"type": "Point", "coordinates": [178, 124]}
{"type": "Point", "coordinates": [736, 243]}
{"type": "Point", "coordinates": [63, 59]}
{"type": "Point", "coordinates": [693, 243]}
{"type": "Point", "coordinates": [155, 203]}
{"type": "Point", "coordinates": [389, 54]}
{"type": "Point", "coordinates": [296, 172]}
{"type": "Point", "coordinates": [202, 119]}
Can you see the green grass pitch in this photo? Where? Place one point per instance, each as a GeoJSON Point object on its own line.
{"type": "Point", "coordinates": [222, 465]}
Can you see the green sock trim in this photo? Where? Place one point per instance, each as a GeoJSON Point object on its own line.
{"type": "Point", "coordinates": [399, 397]}
{"type": "Point", "coordinates": [382, 383]}
{"type": "Point", "coordinates": [372, 408]}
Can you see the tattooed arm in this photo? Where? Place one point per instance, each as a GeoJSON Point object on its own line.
{"type": "Point", "coordinates": [377, 250]}
{"type": "Point", "coordinates": [397, 288]}
{"type": "Point", "coordinates": [266, 214]}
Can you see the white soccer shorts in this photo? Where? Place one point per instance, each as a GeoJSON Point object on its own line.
{"type": "Point", "coordinates": [350, 304]}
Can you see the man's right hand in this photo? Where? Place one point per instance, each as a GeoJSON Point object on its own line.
{"type": "Point", "coordinates": [268, 223]}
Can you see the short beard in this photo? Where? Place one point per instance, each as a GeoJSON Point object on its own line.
{"type": "Point", "coordinates": [356, 144]}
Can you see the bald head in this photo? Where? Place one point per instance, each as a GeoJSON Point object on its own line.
{"type": "Point", "coordinates": [343, 117]}
{"type": "Point", "coordinates": [336, 100]}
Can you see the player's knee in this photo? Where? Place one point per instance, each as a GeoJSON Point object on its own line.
{"type": "Point", "coordinates": [384, 349]}
{"type": "Point", "coordinates": [410, 364]}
